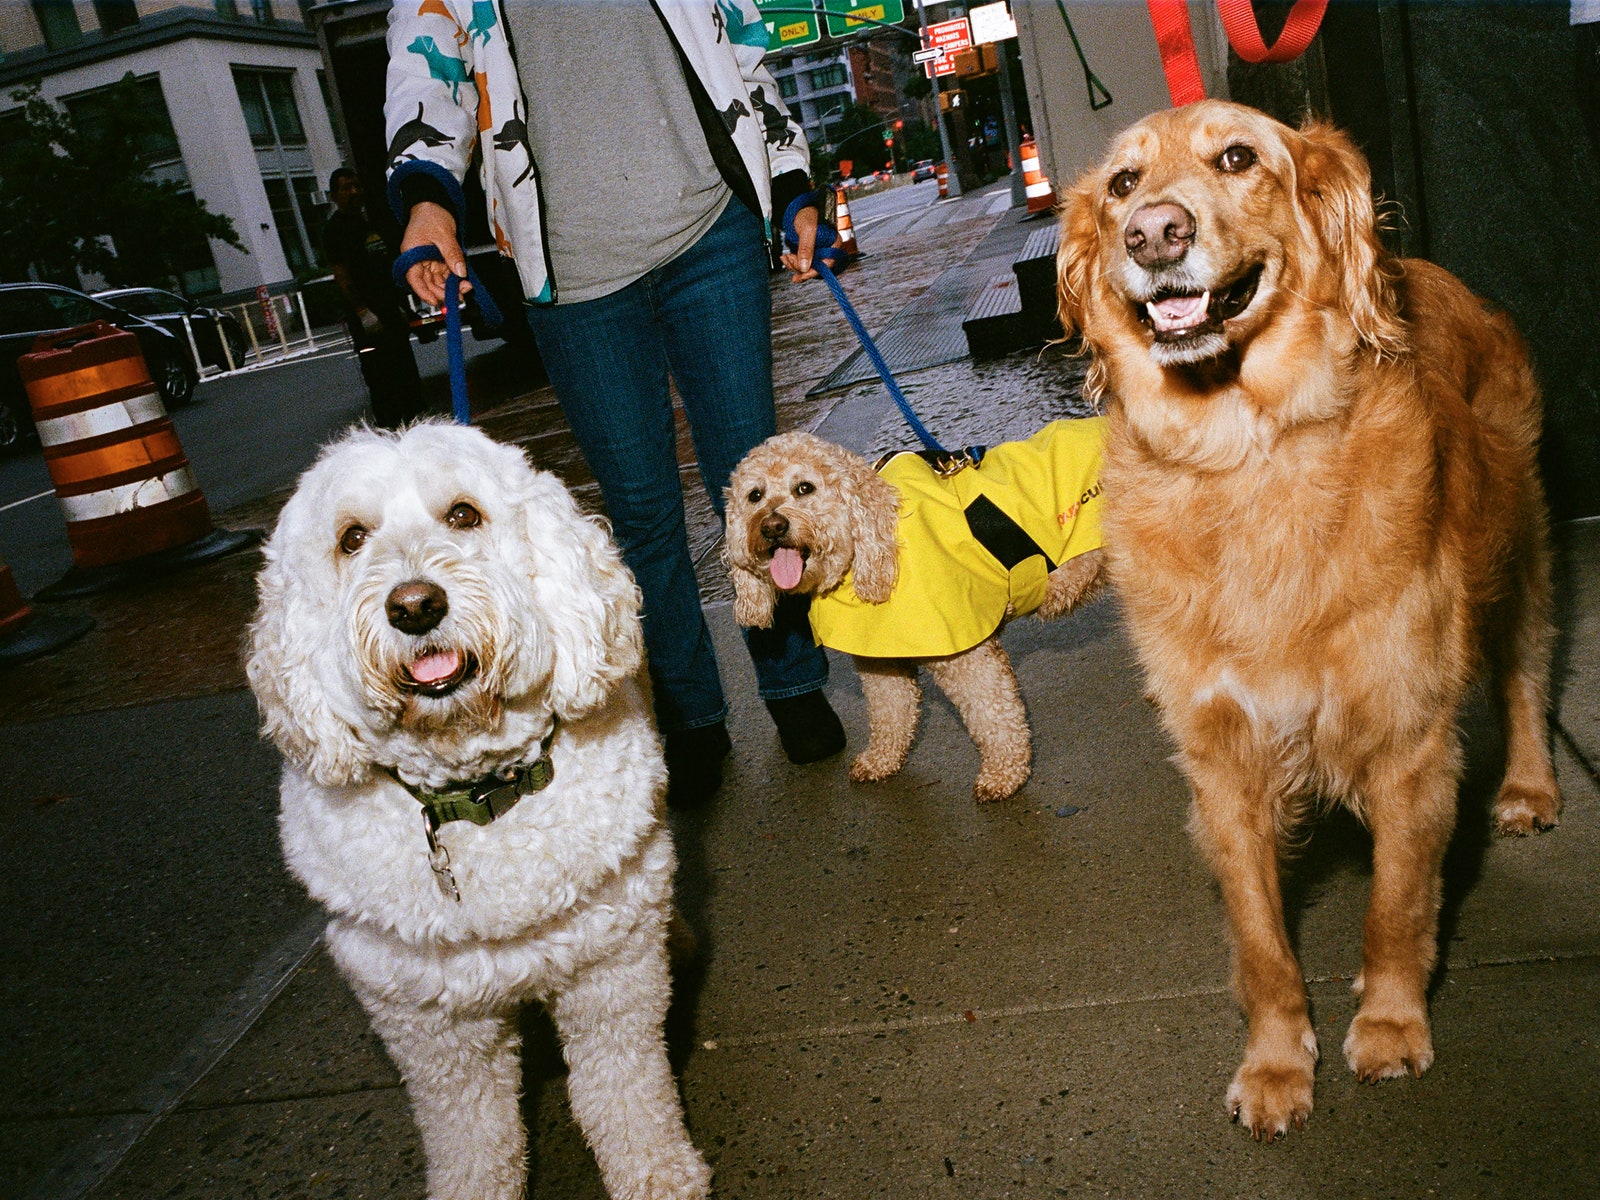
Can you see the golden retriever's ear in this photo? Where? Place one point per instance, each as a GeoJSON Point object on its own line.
{"type": "Point", "coordinates": [1336, 195]}
{"type": "Point", "coordinates": [874, 515]}
{"type": "Point", "coordinates": [1075, 259]}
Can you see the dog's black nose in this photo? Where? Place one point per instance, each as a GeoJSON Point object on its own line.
{"type": "Point", "coordinates": [774, 526]}
{"type": "Point", "coordinates": [416, 606]}
{"type": "Point", "coordinates": [1159, 235]}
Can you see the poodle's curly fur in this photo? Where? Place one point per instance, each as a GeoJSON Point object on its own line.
{"type": "Point", "coordinates": [565, 898]}
{"type": "Point", "coordinates": [841, 516]}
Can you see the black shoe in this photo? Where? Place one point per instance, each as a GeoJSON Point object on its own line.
{"type": "Point", "coordinates": [807, 727]}
{"type": "Point", "coordinates": [694, 764]}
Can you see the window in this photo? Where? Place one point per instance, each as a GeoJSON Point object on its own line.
{"type": "Point", "coordinates": [116, 15]}
{"type": "Point", "coordinates": [270, 112]}
{"type": "Point", "coordinates": [296, 198]}
{"type": "Point", "coordinates": [97, 110]}
{"type": "Point", "coordinates": [832, 75]}
{"type": "Point", "coordinates": [787, 87]}
{"type": "Point", "coordinates": [58, 22]}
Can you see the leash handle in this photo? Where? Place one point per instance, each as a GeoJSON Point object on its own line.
{"type": "Point", "coordinates": [826, 248]}
{"type": "Point", "coordinates": [1299, 27]}
{"type": "Point", "coordinates": [455, 350]}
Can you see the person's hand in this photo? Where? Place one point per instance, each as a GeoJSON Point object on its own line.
{"type": "Point", "coordinates": [798, 260]}
{"type": "Point", "coordinates": [433, 225]}
{"type": "Point", "coordinates": [371, 323]}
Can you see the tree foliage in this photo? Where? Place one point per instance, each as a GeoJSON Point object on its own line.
{"type": "Point", "coordinates": [76, 199]}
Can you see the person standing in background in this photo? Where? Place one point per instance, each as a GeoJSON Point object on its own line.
{"type": "Point", "coordinates": [635, 158]}
{"type": "Point", "coordinates": [375, 312]}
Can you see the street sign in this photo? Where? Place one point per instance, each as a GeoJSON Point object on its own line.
{"type": "Point", "coordinates": [991, 23]}
{"type": "Point", "coordinates": [789, 28]}
{"type": "Point", "coordinates": [948, 36]}
{"type": "Point", "coordinates": [844, 16]}
{"type": "Point", "coordinates": [932, 54]}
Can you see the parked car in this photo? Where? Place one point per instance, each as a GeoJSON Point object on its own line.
{"type": "Point", "coordinates": [30, 309]}
{"type": "Point", "coordinates": [168, 309]}
{"type": "Point", "coordinates": [923, 170]}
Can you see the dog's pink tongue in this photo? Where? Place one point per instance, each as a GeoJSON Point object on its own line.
{"type": "Point", "coordinates": [786, 566]}
{"type": "Point", "coordinates": [436, 667]}
{"type": "Point", "coordinates": [1178, 312]}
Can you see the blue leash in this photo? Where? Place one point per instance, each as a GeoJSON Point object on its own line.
{"type": "Point", "coordinates": [827, 248]}
{"type": "Point", "coordinates": [454, 349]}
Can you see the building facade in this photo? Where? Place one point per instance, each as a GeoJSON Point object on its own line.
{"type": "Point", "coordinates": [817, 85]}
{"type": "Point", "coordinates": [236, 94]}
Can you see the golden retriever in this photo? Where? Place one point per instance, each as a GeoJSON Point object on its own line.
{"type": "Point", "coordinates": [1323, 515]}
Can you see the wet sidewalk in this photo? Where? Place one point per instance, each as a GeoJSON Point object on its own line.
{"type": "Point", "coordinates": [899, 992]}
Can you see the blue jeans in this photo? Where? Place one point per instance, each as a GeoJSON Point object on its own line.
{"type": "Point", "coordinates": [705, 318]}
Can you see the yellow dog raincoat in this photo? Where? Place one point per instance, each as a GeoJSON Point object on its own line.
{"type": "Point", "coordinates": [972, 543]}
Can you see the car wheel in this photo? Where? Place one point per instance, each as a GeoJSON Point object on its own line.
{"type": "Point", "coordinates": [177, 387]}
{"type": "Point", "coordinates": [10, 429]}
{"type": "Point", "coordinates": [236, 346]}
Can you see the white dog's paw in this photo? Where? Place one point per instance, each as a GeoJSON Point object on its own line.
{"type": "Point", "coordinates": [680, 1176]}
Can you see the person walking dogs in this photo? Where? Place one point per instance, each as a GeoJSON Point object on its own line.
{"type": "Point", "coordinates": [374, 313]}
{"type": "Point", "coordinates": [630, 176]}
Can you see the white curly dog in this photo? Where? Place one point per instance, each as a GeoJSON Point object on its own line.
{"type": "Point", "coordinates": [443, 639]}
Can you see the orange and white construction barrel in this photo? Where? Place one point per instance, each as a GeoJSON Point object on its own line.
{"type": "Point", "coordinates": [119, 471]}
{"type": "Point", "coordinates": [1041, 196]}
{"type": "Point", "coordinates": [842, 224]}
{"type": "Point", "coordinates": [943, 174]}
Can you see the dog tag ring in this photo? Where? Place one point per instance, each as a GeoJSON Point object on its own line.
{"type": "Point", "coordinates": [439, 860]}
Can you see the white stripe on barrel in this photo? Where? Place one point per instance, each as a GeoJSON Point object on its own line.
{"type": "Point", "coordinates": [108, 418]}
{"type": "Point", "coordinates": [130, 496]}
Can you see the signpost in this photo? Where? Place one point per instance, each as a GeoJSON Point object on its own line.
{"type": "Point", "coordinates": [788, 27]}
{"type": "Point", "coordinates": [992, 23]}
{"type": "Point", "coordinates": [948, 37]}
{"type": "Point", "coordinates": [844, 16]}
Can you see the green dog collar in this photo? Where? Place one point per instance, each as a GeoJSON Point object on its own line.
{"type": "Point", "coordinates": [492, 796]}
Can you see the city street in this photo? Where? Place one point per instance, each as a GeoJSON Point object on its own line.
{"type": "Point", "coordinates": [897, 992]}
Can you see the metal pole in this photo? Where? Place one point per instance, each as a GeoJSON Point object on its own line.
{"type": "Point", "coordinates": [952, 173]}
{"type": "Point", "coordinates": [1008, 113]}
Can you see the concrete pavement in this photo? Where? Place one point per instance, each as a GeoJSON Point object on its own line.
{"type": "Point", "coordinates": [899, 992]}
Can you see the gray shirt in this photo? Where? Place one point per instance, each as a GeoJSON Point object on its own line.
{"type": "Point", "coordinates": [627, 179]}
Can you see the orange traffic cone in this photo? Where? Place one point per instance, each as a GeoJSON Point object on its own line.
{"type": "Point", "coordinates": [841, 223]}
{"type": "Point", "coordinates": [943, 173]}
{"type": "Point", "coordinates": [131, 503]}
{"type": "Point", "coordinates": [1041, 196]}
{"type": "Point", "coordinates": [24, 633]}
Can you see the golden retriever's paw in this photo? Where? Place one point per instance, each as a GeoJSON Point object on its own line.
{"type": "Point", "coordinates": [1388, 1047]}
{"type": "Point", "coordinates": [1519, 811]}
{"type": "Point", "coordinates": [1269, 1097]}
{"type": "Point", "coordinates": [999, 781]}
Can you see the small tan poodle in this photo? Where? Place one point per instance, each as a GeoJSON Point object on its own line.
{"type": "Point", "coordinates": [449, 655]}
{"type": "Point", "coordinates": [911, 566]}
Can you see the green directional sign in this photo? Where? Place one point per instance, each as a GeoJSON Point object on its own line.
{"type": "Point", "coordinates": [787, 26]}
{"type": "Point", "coordinates": [846, 16]}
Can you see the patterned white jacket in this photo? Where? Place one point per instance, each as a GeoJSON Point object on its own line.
{"type": "Point", "coordinates": [452, 81]}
